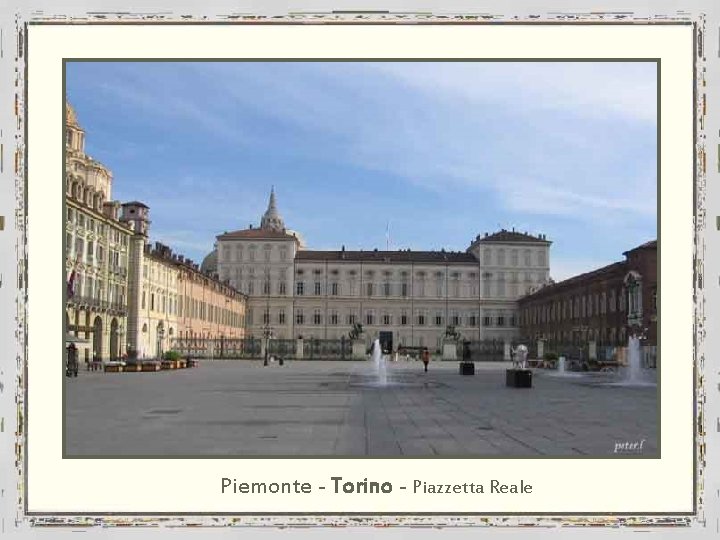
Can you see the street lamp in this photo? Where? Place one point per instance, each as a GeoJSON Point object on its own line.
{"type": "Point", "coordinates": [161, 338]}
{"type": "Point", "coordinates": [267, 334]}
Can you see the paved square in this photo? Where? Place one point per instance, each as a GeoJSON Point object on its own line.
{"type": "Point", "coordinates": [240, 408]}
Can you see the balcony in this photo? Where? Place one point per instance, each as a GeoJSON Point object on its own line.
{"type": "Point", "coordinates": [97, 304]}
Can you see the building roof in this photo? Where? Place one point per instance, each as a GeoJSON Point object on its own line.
{"type": "Point", "coordinates": [257, 234]}
{"type": "Point", "coordinates": [652, 244]}
{"type": "Point", "coordinates": [611, 270]}
{"type": "Point", "coordinates": [439, 257]}
{"type": "Point", "coordinates": [135, 203]}
{"type": "Point", "coordinates": [512, 236]}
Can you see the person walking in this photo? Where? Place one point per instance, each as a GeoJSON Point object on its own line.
{"type": "Point", "coordinates": [425, 358]}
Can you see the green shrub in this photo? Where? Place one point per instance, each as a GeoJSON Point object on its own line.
{"type": "Point", "coordinates": [171, 355]}
{"type": "Point", "coordinates": [550, 356]}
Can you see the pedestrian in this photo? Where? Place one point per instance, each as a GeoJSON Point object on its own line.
{"type": "Point", "coordinates": [426, 358]}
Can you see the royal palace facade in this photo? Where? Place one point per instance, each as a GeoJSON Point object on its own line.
{"type": "Point", "coordinates": [404, 298]}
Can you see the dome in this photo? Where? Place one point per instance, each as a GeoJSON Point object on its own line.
{"type": "Point", "coordinates": [70, 116]}
{"type": "Point", "coordinates": [209, 263]}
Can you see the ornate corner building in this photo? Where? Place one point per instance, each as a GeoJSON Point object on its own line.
{"type": "Point", "coordinates": [124, 295]}
{"type": "Point", "coordinates": [96, 252]}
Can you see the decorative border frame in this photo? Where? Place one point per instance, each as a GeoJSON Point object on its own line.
{"type": "Point", "coordinates": [19, 369]}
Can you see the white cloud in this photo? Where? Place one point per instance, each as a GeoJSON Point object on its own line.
{"type": "Point", "coordinates": [588, 88]}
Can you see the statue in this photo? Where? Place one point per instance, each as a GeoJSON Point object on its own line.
{"type": "Point", "coordinates": [356, 331]}
{"type": "Point", "coordinates": [452, 333]}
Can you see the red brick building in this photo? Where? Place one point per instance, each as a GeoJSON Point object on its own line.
{"type": "Point", "coordinates": [603, 306]}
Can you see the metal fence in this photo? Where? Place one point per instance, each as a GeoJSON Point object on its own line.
{"type": "Point", "coordinates": [252, 348]}
{"type": "Point", "coordinates": [486, 350]}
{"type": "Point", "coordinates": [327, 349]}
{"type": "Point", "coordinates": [217, 348]}
{"type": "Point", "coordinates": [283, 348]}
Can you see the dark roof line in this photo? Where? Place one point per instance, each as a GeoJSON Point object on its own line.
{"type": "Point", "coordinates": [386, 256]}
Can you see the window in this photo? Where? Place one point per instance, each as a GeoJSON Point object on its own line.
{"type": "Point", "coordinates": [283, 254]}
{"type": "Point", "coordinates": [266, 252]}
{"type": "Point", "coordinates": [251, 287]}
{"type": "Point", "coordinates": [487, 256]}
{"type": "Point", "coordinates": [282, 288]}
{"type": "Point", "coordinates": [487, 321]}
{"type": "Point", "coordinates": [541, 258]}
{"type": "Point", "coordinates": [527, 257]}
{"type": "Point", "coordinates": [281, 316]}
{"type": "Point", "coordinates": [455, 319]}
{"type": "Point", "coordinates": [404, 289]}
{"type": "Point", "coordinates": [266, 317]}
{"type": "Point", "coordinates": [514, 257]}
{"type": "Point", "coordinates": [317, 288]}
{"type": "Point", "coordinates": [369, 289]}
{"type": "Point", "coordinates": [317, 317]}
{"type": "Point", "coordinates": [300, 288]}
{"type": "Point", "coordinates": [152, 302]}
{"type": "Point", "coordinates": [472, 320]}
{"type": "Point", "coordinates": [299, 317]}
{"type": "Point", "coordinates": [403, 318]}
{"type": "Point", "coordinates": [333, 317]}
{"type": "Point", "coordinates": [438, 319]}
{"type": "Point", "coordinates": [386, 289]}
{"type": "Point", "coordinates": [386, 319]}
{"type": "Point", "coordinates": [369, 317]}
{"type": "Point", "coordinates": [421, 318]}
{"type": "Point", "coordinates": [351, 318]}
{"type": "Point", "coordinates": [334, 289]}
{"type": "Point", "coordinates": [501, 285]}
{"type": "Point", "coordinates": [266, 286]}
{"type": "Point", "coordinates": [501, 257]}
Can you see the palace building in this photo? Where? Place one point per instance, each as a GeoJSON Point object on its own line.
{"type": "Point", "coordinates": [404, 297]}
{"type": "Point", "coordinates": [601, 306]}
{"type": "Point", "coordinates": [171, 298]}
{"type": "Point", "coordinates": [123, 295]}
{"type": "Point", "coordinates": [96, 253]}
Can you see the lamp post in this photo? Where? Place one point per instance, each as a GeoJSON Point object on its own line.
{"type": "Point", "coordinates": [161, 338]}
{"type": "Point", "coordinates": [267, 334]}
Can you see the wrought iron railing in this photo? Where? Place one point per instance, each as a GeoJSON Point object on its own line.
{"type": "Point", "coordinates": [98, 304]}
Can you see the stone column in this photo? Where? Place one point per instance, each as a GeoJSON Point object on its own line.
{"type": "Point", "coordinates": [592, 350]}
{"type": "Point", "coordinates": [540, 349]}
{"type": "Point", "coordinates": [506, 351]}
{"type": "Point", "coordinates": [358, 349]}
{"type": "Point", "coordinates": [299, 349]}
{"type": "Point", "coordinates": [449, 349]}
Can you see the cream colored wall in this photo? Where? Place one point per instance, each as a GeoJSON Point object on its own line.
{"type": "Point", "coordinates": [159, 282]}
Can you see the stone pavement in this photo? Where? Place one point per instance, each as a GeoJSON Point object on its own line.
{"type": "Point", "coordinates": [240, 408]}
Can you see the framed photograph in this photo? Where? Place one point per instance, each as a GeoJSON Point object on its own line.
{"type": "Point", "coordinates": [360, 269]}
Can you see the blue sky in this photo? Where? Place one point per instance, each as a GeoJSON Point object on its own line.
{"type": "Point", "coordinates": [442, 151]}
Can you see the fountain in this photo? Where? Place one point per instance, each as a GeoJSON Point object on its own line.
{"type": "Point", "coordinates": [561, 365]}
{"type": "Point", "coordinates": [379, 361]}
{"type": "Point", "coordinates": [634, 374]}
